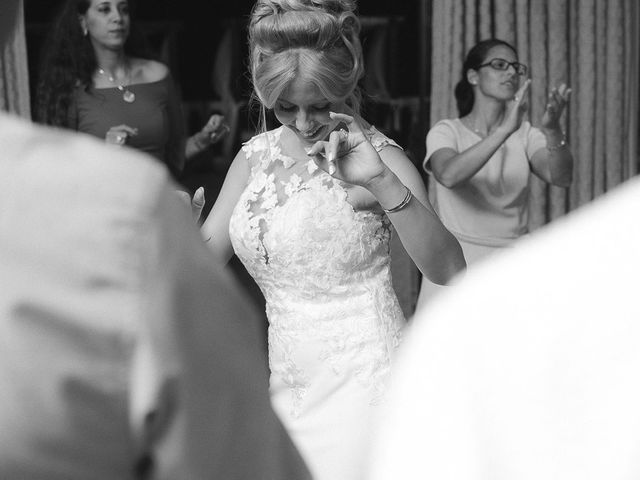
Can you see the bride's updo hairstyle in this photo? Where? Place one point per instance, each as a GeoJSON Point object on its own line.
{"type": "Point", "coordinates": [316, 39]}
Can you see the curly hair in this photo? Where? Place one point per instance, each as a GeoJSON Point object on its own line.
{"type": "Point", "coordinates": [315, 38]}
{"type": "Point", "coordinates": [69, 61]}
{"type": "Point", "coordinates": [475, 57]}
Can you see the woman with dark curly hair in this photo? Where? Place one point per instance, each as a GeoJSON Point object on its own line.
{"type": "Point", "coordinates": [97, 78]}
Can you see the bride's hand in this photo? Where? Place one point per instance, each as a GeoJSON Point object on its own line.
{"type": "Point", "coordinates": [196, 203]}
{"type": "Point", "coordinates": [348, 155]}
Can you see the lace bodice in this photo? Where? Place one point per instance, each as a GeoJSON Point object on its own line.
{"type": "Point", "coordinates": [322, 266]}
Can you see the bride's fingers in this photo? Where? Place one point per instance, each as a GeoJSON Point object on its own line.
{"type": "Point", "coordinates": [348, 120]}
{"type": "Point", "coordinates": [322, 163]}
{"type": "Point", "coordinates": [319, 153]}
{"type": "Point", "coordinates": [316, 148]}
{"type": "Point", "coordinates": [325, 153]}
{"type": "Point", "coordinates": [336, 139]}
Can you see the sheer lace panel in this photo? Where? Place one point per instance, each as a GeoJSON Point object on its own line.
{"type": "Point", "coordinates": [324, 270]}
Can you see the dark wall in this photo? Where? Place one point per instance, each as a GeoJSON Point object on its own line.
{"type": "Point", "coordinates": [197, 25]}
{"type": "Point", "coordinates": [205, 10]}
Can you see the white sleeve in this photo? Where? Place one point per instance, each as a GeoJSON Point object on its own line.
{"type": "Point", "coordinates": [535, 141]}
{"type": "Point", "coordinates": [442, 135]}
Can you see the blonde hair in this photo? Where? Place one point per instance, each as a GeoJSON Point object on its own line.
{"type": "Point", "coordinates": [317, 39]}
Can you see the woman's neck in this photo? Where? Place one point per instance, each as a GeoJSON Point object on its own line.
{"type": "Point", "coordinates": [486, 117]}
{"type": "Point", "coordinates": [113, 63]}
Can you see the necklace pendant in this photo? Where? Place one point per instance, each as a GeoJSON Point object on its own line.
{"type": "Point", "coordinates": [128, 96]}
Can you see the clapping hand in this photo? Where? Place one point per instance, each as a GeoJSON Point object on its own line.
{"type": "Point", "coordinates": [516, 108]}
{"type": "Point", "coordinates": [558, 99]}
{"type": "Point", "coordinates": [213, 131]}
{"type": "Point", "coordinates": [347, 155]}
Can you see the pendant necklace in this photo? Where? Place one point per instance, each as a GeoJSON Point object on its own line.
{"type": "Point", "coordinates": [127, 95]}
{"type": "Point", "coordinates": [473, 128]}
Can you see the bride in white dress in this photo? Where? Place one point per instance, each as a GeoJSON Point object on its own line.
{"type": "Point", "coordinates": [309, 208]}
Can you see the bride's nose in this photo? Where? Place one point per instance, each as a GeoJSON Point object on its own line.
{"type": "Point", "coordinates": [303, 121]}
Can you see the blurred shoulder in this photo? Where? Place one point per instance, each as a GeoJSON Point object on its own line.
{"type": "Point", "coordinates": [144, 70]}
{"type": "Point", "coordinates": [76, 168]}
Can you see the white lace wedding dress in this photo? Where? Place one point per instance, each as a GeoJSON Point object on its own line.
{"type": "Point", "coordinates": [334, 319]}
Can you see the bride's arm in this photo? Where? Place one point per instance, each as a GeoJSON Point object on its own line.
{"type": "Point", "coordinates": [434, 249]}
{"type": "Point", "coordinates": [215, 229]}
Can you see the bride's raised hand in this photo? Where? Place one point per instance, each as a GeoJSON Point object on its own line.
{"type": "Point", "coordinates": [348, 155]}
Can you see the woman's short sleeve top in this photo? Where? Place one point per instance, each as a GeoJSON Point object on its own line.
{"type": "Point", "coordinates": [491, 208]}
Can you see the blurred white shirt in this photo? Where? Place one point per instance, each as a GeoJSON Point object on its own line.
{"type": "Point", "coordinates": [529, 368]}
{"type": "Point", "coordinates": [119, 340]}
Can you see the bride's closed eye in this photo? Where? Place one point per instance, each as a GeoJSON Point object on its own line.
{"type": "Point", "coordinates": [286, 108]}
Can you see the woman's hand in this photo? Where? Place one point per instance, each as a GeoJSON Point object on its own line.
{"type": "Point", "coordinates": [119, 135]}
{"type": "Point", "coordinates": [213, 131]}
{"type": "Point", "coordinates": [348, 155]}
{"type": "Point", "coordinates": [196, 203]}
{"type": "Point", "coordinates": [558, 99]}
{"type": "Point", "coordinates": [516, 109]}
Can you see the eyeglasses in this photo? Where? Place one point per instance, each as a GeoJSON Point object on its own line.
{"type": "Point", "coordinates": [502, 64]}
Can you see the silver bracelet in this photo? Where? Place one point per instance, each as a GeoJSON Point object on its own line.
{"type": "Point", "coordinates": [405, 201]}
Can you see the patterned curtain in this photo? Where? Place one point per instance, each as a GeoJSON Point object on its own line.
{"type": "Point", "coordinates": [592, 45]}
{"type": "Point", "coordinates": [14, 74]}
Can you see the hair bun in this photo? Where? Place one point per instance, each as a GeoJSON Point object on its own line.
{"type": "Point", "coordinates": [323, 34]}
{"type": "Point", "coordinates": [335, 7]}
{"type": "Point", "coordinates": [281, 24]}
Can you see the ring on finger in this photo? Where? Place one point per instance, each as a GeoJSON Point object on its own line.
{"type": "Point", "coordinates": [120, 139]}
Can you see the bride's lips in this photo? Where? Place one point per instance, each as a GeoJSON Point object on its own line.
{"type": "Point", "coordinates": [313, 135]}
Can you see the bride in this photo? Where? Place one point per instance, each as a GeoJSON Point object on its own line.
{"type": "Point", "coordinates": [309, 208]}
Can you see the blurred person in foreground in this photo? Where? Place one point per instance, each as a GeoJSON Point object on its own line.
{"type": "Point", "coordinates": [123, 352]}
{"type": "Point", "coordinates": [529, 368]}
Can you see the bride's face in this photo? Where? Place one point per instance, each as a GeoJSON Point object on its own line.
{"type": "Point", "coordinates": [305, 110]}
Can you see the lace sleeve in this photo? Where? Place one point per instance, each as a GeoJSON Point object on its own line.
{"type": "Point", "coordinates": [255, 148]}
{"type": "Point", "coordinates": [380, 140]}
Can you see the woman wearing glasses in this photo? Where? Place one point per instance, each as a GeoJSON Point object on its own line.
{"type": "Point", "coordinates": [482, 160]}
